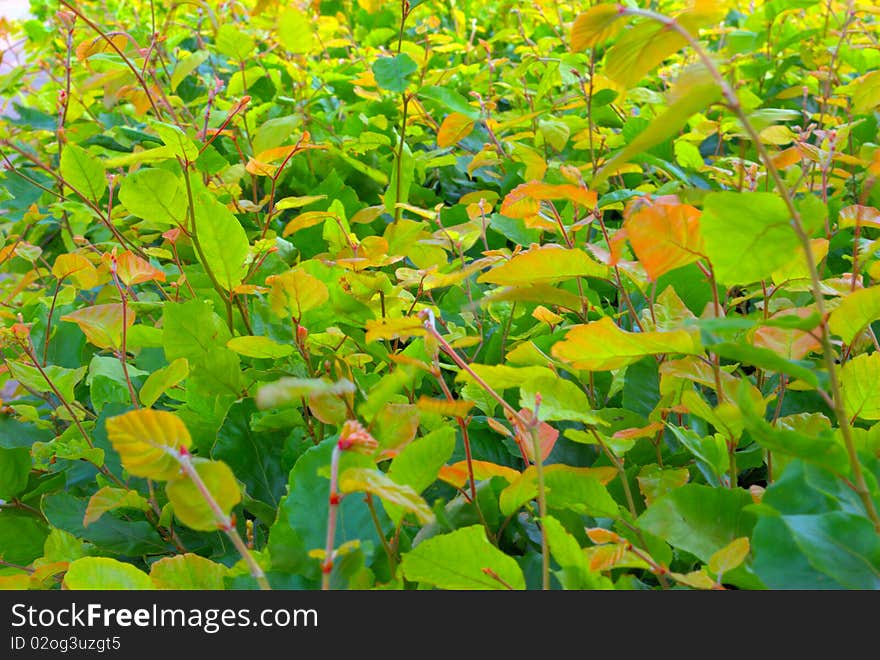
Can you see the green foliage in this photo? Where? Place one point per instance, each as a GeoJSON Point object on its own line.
{"type": "Point", "coordinates": [441, 296]}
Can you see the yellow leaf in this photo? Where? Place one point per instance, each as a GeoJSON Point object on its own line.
{"type": "Point", "coordinates": [108, 499]}
{"type": "Point", "coordinates": [147, 441]}
{"type": "Point", "coordinates": [455, 127]}
{"type": "Point", "coordinates": [259, 347]}
{"type": "Point", "coordinates": [665, 236]}
{"type": "Point", "coordinates": [696, 579]}
{"type": "Point", "coordinates": [524, 200]}
{"type": "Point", "coordinates": [377, 483]}
{"type": "Point", "coordinates": [548, 263]}
{"type": "Point", "coordinates": [857, 215]}
{"type": "Point", "coordinates": [595, 26]}
{"type": "Point", "coordinates": [190, 506]}
{"type": "Point", "coordinates": [797, 268]}
{"type": "Point", "coordinates": [729, 557]}
{"type": "Point", "coordinates": [457, 473]}
{"type": "Point", "coordinates": [399, 328]}
{"type": "Point", "coordinates": [601, 345]}
{"type": "Point", "coordinates": [295, 292]}
{"type": "Point", "coordinates": [541, 313]}
{"type": "Point", "coordinates": [455, 408]}
{"type": "Point", "coordinates": [77, 267]}
{"type": "Point", "coordinates": [855, 311]}
{"type": "Point", "coordinates": [305, 220]}
{"type": "Point", "coordinates": [131, 269]}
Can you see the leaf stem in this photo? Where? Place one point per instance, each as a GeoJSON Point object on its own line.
{"type": "Point", "coordinates": [223, 521]}
{"type": "Point", "coordinates": [332, 510]}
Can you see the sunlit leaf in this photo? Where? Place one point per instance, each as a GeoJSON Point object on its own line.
{"type": "Point", "coordinates": [601, 345]}
{"type": "Point", "coordinates": [377, 483]}
{"type": "Point", "coordinates": [147, 442]}
{"type": "Point", "coordinates": [295, 292]}
{"type": "Point", "coordinates": [190, 506]}
{"type": "Point", "coordinates": [463, 559]}
{"type": "Point", "coordinates": [543, 264]}
{"type": "Point", "coordinates": [109, 499]}
{"type": "Point", "coordinates": [102, 324]}
{"type": "Point", "coordinates": [104, 573]}
{"type": "Point", "coordinates": [665, 236]}
{"type": "Point", "coordinates": [855, 312]}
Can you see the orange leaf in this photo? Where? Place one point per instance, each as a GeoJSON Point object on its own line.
{"type": "Point", "coordinates": [457, 408]}
{"type": "Point", "coordinates": [547, 436]}
{"type": "Point", "coordinates": [455, 127]}
{"type": "Point", "coordinates": [857, 215]}
{"type": "Point", "coordinates": [457, 473]}
{"type": "Point", "coordinates": [524, 200]}
{"type": "Point", "coordinates": [788, 342]}
{"type": "Point", "coordinates": [600, 535]}
{"type": "Point", "coordinates": [134, 270]}
{"type": "Point", "coordinates": [665, 236]}
{"type": "Point", "coordinates": [102, 324]}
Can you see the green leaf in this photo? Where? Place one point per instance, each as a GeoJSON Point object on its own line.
{"type": "Point", "coordinates": [419, 462]}
{"type": "Point", "coordinates": [293, 390]}
{"type": "Point", "coordinates": [109, 499]}
{"type": "Point", "coordinates": [818, 446]}
{"type": "Point", "coordinates": [393, 73]}
{"type": "Point", "coordinates": [154, 195]}
{"type": "Point", "coordinates": [765, 359]}
{"type": "Point", "coordinates": [596, 26]}
{"type": "Point", "coordinates": [694, 90]}
{"type": "Point", "coordinates": [235, 42]}
{"type": "Point", "coordinates": [601, 345]}
{"type": "Point", "coordinates": [15, 467]}
{"type": "Point", "coordinates": [301, 525]}
{"type": "Point", "coordinates": [190, 506]}
{"type": "Point", "coordinates": [450, 100]}
{"type": "Point", "coordinates": [855, 312]}
{"type": "Point", "coordinates": [804, 541]}
{"type": "Point", "coordinates": [549, 263]}
{"type": "Point", "coordinates": [23, 537]}
{"type": "Point", "coordinates": [132, 537]}
{"type": "Point", "coordinates": [859, 377]}
{"type": "Point", "coordinates": [83, 171]}
{"type": "Point", "coordinates": [295, 31]}
{"type": "Point", "coordinates": [577, 489]}
{"type": "Point", "coordinates": [259, 347]}
{"type": "Point", "coordinates": [187, 65]}
{"type": "Point", "coordinates": [564, 548]}
{"type": "Point", "coordinates": [640, 50]}
{"type": "Point", "coordinates": [654, 481]}
{"type": "Point", "coordinates": [255, 457]}
{"type": "Point", "coordinates": [65, 380]}
{"type": "Point", "coordinates": [561, 400]}
{"type": "Point", "coordinates": [699, 519]}
{"type": "Point", "coordinates": [188, 572]}
{"type": "Point", "coordinates": [746, 235]}
{"type": "Point", "coordinates": [223, 241]}
{"type": "Point", "coordinates": [175, 139]}
{"type": "Point", "coordinates": [462, 560]}
{"type": "Point", "coordinates": [161, 380]}
{"type": "Point", "coordinates": [191, 329]}
{"type": "Point", "coordinates": [105, 574]}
